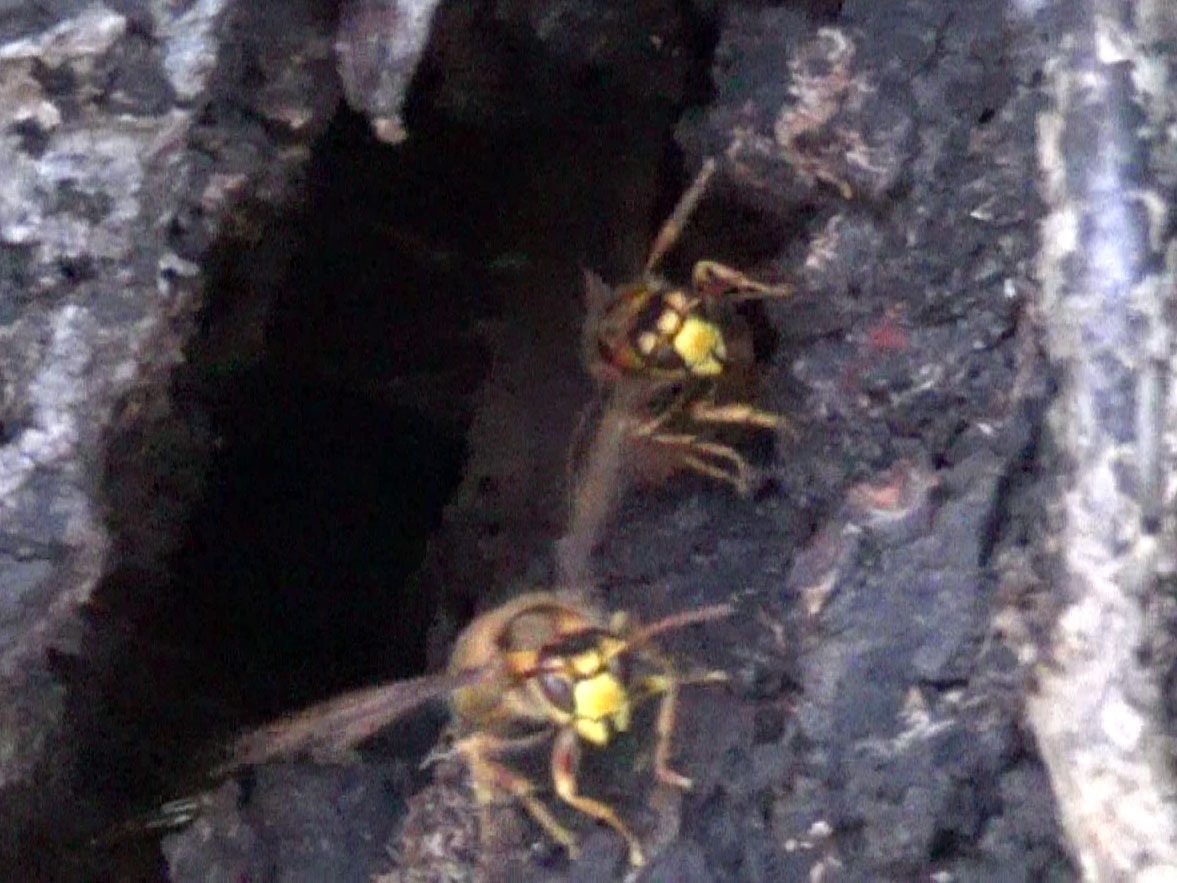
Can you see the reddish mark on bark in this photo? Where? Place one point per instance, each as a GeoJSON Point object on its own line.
{"type": "Point", "coordinates": [886, 335]}
{"type": "Point", "coordinates": [901, 487]}
{"type": "Point", "coordinates": [899, 502]}
{"type": "Point", "coordinates": [877, 497]}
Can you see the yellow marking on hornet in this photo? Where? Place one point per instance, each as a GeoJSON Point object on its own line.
{"type": "Point", "coordinates": [700, 345]}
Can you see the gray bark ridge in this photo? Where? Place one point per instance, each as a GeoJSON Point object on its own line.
{"type": "Point", "coordinates": [1107, 307]}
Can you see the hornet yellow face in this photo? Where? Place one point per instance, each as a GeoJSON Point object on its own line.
{"type": "Point", "coordinates": [653, 330]}
{"type": "Point", "coordinates": [670, 359]}
{"type": "Point", "coordinates": [582, 680]}
{"type": "Point", "coordinates": [553, 664]}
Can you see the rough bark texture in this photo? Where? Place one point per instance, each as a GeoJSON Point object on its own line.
{"type": "Point", "coordinates": [1107, 262]}
{"type": "Point", "coordinates": [873, 731]}
{"type": "Point", "coordinates": [92, 122]}
{"type": "Point", "coordinates": [128, 132]}
{"type": "Point", "coordinates": [926, 509]}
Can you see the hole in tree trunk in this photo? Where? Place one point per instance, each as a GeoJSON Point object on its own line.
{"type": "Point", "coordinates": [271, 504]}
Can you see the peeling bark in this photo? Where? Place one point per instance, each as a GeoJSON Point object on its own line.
{"type": "Point", "coordinates": [378, 47]}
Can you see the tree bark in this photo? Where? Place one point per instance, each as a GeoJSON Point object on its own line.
{"type": "Point", "coordinates": [1107, 272]}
